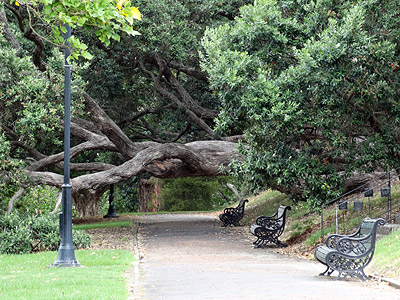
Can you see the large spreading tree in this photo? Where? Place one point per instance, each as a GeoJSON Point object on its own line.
{"type": "Point", "coordinates": [316, 86]}
{"type": "Point", "coordinates": [313, 85]}
{"type": "Point", "coordinates": [141, 105]}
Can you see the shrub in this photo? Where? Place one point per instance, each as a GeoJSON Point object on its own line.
{"type": "Point", "coordinates": [45, 232]}
{"type": "Point", "coordinates": [197, 193]}
{"type": "Point", "coordinates": [126, 196]}
{"type": "Point", "coordinates": [16, 240]}
{"type": "Point", "coordinates": [39, 199]}
{"type": "Point", "coordinates": [35, 233]}
{"type": "Point", "coordinates": [81, 239]}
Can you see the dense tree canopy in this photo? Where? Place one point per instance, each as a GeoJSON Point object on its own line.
{"type": "Point", "coordinates": [140, 106]}
{"type": "Point", "coordinates": [316, 87]}
{"type": "Point", "coordinates": [313, 85]}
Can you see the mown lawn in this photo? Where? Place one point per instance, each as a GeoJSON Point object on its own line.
{"type": "Point", "coordinates": [29, 277]}
{"type": "Point", "coordinates": [386, 260]}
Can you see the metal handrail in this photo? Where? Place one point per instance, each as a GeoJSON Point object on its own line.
{"type": "Point", "coordinates": [358, 196]}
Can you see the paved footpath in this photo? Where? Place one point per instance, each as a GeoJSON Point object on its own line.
{"type": "Point", "coordinates": [190, 257]}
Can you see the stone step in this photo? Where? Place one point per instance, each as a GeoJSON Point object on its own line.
{"type": "Point", "coordinates": [387, 229]}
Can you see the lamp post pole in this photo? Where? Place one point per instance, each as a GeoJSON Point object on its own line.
{"type": "Point", "coordinates": [112, 213]}
{"type": "Point", "coordinates": [66, 254]}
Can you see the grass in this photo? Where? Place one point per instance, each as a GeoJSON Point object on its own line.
{"type": "Point", "coordinates": [315, 237]}
{"type": "Point", "coordinates": [265, 203]}
{"type": "Point", "coordinates": [103, 225]}
{"type": "Point", "coordinates": [386, 261]}
{"type": "Point", "coordinates": [28, 276]}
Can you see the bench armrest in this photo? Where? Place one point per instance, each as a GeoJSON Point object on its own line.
{"type": "Point", "coordinates": [262, 219]}
{"type": "Point", "coordinates": [259, 219]}
{"type": "Point", "coordinates": [272, 224]}
{"type": "Point", "coordinates": [331, 241]}
{"type": "Point", "coordinates": [355, 246]}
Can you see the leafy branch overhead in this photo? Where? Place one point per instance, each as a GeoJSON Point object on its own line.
{"type": "Point", "coordinates": [108, 18]}
{"type": "Point", "coordinates": [315, 87]}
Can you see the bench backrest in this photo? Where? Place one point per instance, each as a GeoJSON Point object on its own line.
{"type": "Point", "coordinates": [240, 207]}
{"type": "Point", "coordinates": [368, 229]}
{"type": "Point", "coordinates": [363, 241]}
{"type": "Point", "coordinates": [278, 218]}
{"type": "Point", "coordinates": [281, 214]}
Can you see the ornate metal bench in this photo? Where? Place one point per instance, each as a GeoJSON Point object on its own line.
{"type": "Point", "coordinates": [349, 254]}
{"type": "Point", "coordinates": [232, 215]}
{"type": "Point", "coordinates": [269, 229]}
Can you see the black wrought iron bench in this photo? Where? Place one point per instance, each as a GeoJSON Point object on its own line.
{"type": "Point", "coordinates": [349, 254]}
{"type": "Point", "coordinates": [269, 229]}
{"type": "Point", "coordinates": [232, 215]}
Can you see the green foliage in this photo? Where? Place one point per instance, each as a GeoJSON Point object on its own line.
{"type": "Point", "coordinates": [170, 30]}
{"type": "Point", "coordinates": [107, 17]}
{"type": "Point", "coordinates": [195, 194]}
{"type": "Point", "coordinates": [32, 100]}
{"type": "Point", "coordinates": [10, 170]}
{"type": "Point", "coordinates": [315, 85]}
{"type": "Point", "coordinates": [34, 233]}
{"type": "Point", "coordinates": [125, 196]}
{"type": "Point", "coordinates": [174, 27]}
{"type": "Point", "coordinates": [31, 108]}
{"type": "Point", "coordinates": [37, 200]}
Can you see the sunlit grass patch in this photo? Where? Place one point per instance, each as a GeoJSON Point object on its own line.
{"type": "Point", "coordinates": [386, 261]}
{"type": "Point", "coordinates": [103, 225]}
{"type": "Point", "coordinates": [29, 277]}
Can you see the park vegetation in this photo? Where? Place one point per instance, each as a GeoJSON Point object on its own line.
{"type": "Point", "coordinates": [297, 96]}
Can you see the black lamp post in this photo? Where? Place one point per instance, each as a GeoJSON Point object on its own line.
{"type": "Point", "coordinates": [112, 213]}
{"type": "Point", "coordinates": [66, 254]}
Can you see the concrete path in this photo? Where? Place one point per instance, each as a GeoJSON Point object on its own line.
{"type": "Point", "coordinates": [190, 257]}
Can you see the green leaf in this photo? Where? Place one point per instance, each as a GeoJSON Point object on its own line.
{"type": "Point", "coordinates": [87, 55]}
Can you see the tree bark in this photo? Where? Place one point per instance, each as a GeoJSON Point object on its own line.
{"type": "Point", "coordinates": [7, 32]}
{"type": "Point", "coordinates": [87, 201]}
{"type": "Point", "coordinates": [14, 198]}
{"type": "Point", "coordinates": [149, 195]}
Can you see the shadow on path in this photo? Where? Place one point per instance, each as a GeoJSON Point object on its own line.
{"type": "Point", "coordinates": [190, 256]}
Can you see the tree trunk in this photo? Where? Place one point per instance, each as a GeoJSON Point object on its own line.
{"type": "Point", "coordinates": [149, 194]}
{"type": "Point", "coordinates": [87, 202]}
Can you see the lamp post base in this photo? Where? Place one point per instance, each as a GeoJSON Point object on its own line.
{"type": "Point", "coordinates": [111, 213]}
{"type": "Point", "coordinates": [111, 216]}
{"type": "Point", "coordinates": [73, 264]}
{"type": "Point", "coordinates": [66, 258]}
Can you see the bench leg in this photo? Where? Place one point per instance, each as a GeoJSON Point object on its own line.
{"type": "Point", "coordinates": [258, 243]}
{"type": "Point", "coordinates": [276, 242]}
{"type": "Point", "coordinates": [280, 244]}
{"type": "Point", "coordinates": [323, 273]}
{"type": "Point", "coordinates": [362, 275]}
{"type": "Point", "coordinates": [359, 274]}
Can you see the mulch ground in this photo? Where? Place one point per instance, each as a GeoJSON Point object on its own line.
{"type": "Point", "coordinates": [109, 238]}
